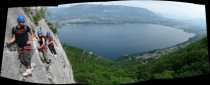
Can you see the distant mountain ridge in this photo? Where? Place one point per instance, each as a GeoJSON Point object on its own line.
{"type": "Point", "coordinates": [103, 14]}
{"type": "Point", "coordinates": [118, 14]}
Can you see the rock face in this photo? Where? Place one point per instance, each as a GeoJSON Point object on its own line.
{"type": "Point", "coordinates": [58, 72]}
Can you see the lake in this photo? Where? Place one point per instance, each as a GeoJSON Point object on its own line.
{"type": "Point", "coordinates": [114, 40]}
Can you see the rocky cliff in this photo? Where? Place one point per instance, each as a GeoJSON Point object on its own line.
{"type": "Point", "coordinates": [58, 72]}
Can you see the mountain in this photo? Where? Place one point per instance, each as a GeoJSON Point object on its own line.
{"type": "Point", "coordinates": [190, 60]}
{"type": "Point", "coordinates": [59, 72]}
{"type": "Point", "coordinates": [103, 14]}
{"type": "Point", "coordinates": [118, 14]}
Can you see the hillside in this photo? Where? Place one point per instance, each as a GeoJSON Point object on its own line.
{"type": "Point", "coordinates": [188, 61]}
{"type": "Point", "coordinates": [101, 14]}
{"type": "Point", "coordinates": [59, 72]}
{"type": "Point", "coordinates": [95, 70]}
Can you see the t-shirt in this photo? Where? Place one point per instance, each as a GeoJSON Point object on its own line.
{"type": "Point", "coordinates": [41, 41]}
{"type": "Point", "coordinates": [21, 35]}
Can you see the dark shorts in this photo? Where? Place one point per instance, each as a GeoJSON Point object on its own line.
{"type": "Point", "coordinates": [52, 48]}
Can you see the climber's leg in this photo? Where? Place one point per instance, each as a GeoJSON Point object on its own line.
{"type": "Point", "coordinates": [21, 56]}
{"type": "Point", "coordinates": [26, 57]}
{"type": "Point", "coordinates": [44, 57]}
{"type": "Point", "coordinates": [52, 49]}
{"type": "Point", "coordinates": [48, 61]}
{"type": "Point", "coordinates": [41, 56]}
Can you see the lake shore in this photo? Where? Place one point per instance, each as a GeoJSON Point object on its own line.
{"type": "Point", "coordinates": [156, 53]}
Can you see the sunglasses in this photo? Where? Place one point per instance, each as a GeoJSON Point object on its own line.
{"type": "Point", "coordinates": [22, 23]}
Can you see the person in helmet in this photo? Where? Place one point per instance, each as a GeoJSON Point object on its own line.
{"type": "Point", "coordinates": [50, 43]}
{"type": "Point", "coordinates": [42, 47]}
{"type": "Point", "coordinates": [22, 35]}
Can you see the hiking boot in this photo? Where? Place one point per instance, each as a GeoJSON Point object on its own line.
{"type": "Point", "coordinates": [32, 66]}
{"type": "Point", "coordinates": [49, 61]}
{"type": "Point", "coordinates": [27, 72]}
{"type": "Point", "coordinates": [43, 61]}
{"type": "Point", "coordinates": [55, 55]}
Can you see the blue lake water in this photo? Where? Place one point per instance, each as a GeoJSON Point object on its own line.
{"type": "Point", "coordinates": [114, 40]}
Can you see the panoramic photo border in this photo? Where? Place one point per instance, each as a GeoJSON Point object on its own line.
{"type": "Point", "coordinates": [59, 2]}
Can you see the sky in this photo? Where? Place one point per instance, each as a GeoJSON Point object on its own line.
{"type": "Point", "coordinates": [170, 9]}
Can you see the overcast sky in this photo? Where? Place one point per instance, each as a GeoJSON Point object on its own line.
{"type": "Point", "coordinates": [171, 9]}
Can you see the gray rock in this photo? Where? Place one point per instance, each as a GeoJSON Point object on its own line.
{"type": "Point", "coordinates": [59, 71]}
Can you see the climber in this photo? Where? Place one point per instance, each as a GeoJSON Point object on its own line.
{"type": "Point", "coordinates": [42, 48]}
{"type": "Point", "coordinates": [22, 35]}
{"type": "Point", "coordinates": [50, 44]}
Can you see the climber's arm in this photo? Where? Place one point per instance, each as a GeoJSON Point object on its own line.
{"type": "Point", "coordinates": [12, 40]}
{"type": "Point", "coordinates": [32, 33]}
{"type": "Point", "coordinates": [51, 41]}
{"type": "Point", "coordinates": [31, 36]}
{"type": "Point", "coordinates": [55, 42]}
